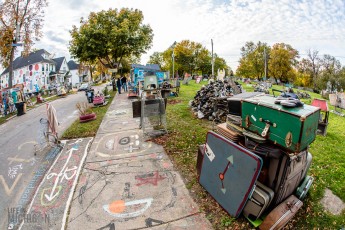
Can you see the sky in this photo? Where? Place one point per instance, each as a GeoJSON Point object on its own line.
{"type": "Point", "coordinates": [303, 24]}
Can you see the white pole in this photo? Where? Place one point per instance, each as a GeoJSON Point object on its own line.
{"type": "Point", "coordinates": [265, 59]}
{"type": "Point", "coordinates": [212, 60]}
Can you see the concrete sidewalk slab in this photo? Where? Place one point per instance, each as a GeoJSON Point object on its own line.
{"type": "Point", "coordinates": [130, 183]}
{"type": "Point", "coordinates": [116, 124]}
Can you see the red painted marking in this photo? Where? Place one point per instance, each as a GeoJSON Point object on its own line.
{"type": "Point", "coordinates": [150, 179]}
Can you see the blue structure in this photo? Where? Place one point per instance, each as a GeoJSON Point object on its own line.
{"type": "Point", "coordinates": [140, 71]}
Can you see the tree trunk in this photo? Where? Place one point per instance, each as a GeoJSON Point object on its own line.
{"type": "Point", "coordinates": [10, 78]}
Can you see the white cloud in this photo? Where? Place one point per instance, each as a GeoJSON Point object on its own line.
{"type": "Point", "coordinates": [304, 24]}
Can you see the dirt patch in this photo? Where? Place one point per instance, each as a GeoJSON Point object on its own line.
{"type": "Point", "coordinates": [174, 101]}
{"type": "Point", "coordinates": [332, 203]}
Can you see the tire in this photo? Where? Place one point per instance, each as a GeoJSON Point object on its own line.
{"type": "Point", "coordinates": [52, 139]}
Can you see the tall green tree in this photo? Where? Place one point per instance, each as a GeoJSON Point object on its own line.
{"type": "Point", "coordinates": [252, 61]}
{"type": "Point", "coordinates": [186, 56]}
{"type": "Point", "coordinates": [190, 57]}
{"type": "Point", "coordinates": [220, 64]}
{"type": "Point", "coordinates": [109, 36]}
{"type": "Point", "coordinates": [156, 58]}
{"type": "Point", "coordinates": [283, 58]}
{"type": "Point", "coordinates": [331, 75]}
{"type": "Point", "coordinates": [20, 21]}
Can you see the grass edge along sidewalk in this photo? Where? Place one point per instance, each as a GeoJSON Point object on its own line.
{"type": "Point", "coordinates": [328, 166]}
{"type": "Point", "coordinates": [88, 129]}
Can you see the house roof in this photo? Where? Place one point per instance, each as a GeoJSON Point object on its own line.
{"type": "Point", "coordinates": [72, 65]}
{"type": "Point", "coordinates": [58, 62]}
{"type": "Point", "coordinates": [148, 67]}
{"type": "Point", "coordinates": [32, 58]}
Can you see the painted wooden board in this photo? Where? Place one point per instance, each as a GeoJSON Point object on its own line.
{"type": "Point", "coordinates": [229, 172]}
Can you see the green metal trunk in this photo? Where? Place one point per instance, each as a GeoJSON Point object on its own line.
{"type": "Point", "coordinates": [291, 128]}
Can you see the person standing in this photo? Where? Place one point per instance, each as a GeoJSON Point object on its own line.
{"type": "Point", "coordinates": [118, 84]}
{"type": "Point", "coordinates": [20, 104]}
{"type": "Point", "coordinates": [5, 101]}
{"type": "Point", "coordinates": [15, 99]}
{"type": "Point", "coordinates": [124, 83]}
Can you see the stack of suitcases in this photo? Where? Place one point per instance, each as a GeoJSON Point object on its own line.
{"type": "Point", "coordinates": [257, 162]}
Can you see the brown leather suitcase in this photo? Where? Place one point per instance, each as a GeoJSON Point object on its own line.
{"type": "Point", "coordinates": [201, 152]}
{"type": "Point", "coordinates": [281, 214]}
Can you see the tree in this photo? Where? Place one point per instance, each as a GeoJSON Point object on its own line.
{"type": "Point", "coordinates": [332, 74]}
{"type": "Point", "coordinates": [156, 58]}
{"type": "Point", "coordinates": [190, 57]}
{"type": "Point", "coordinates": [110, 36]}
{"type": "Point", "coordinates": [20, 21]}
{"type": "Point", "coordinates": [282, 60]}
{"type": "Point", "coordinates": [220, 64]}
{"type": "Point", "coordinates": [314, 65]}
{"type": "Point", "coordinates": [252, 62]}
{"type": "Point", "coordinates": [186, 56]}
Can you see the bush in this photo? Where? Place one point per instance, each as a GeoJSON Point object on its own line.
{"type": "Point", "coordinates": [105, 91]}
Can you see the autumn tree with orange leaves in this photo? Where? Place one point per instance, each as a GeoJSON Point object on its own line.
{"type": "Point", "coordinates": [21, 22]}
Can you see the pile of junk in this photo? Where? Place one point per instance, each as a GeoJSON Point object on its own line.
{"type": "Point", "coordinates": [210, 102]}
{"type": "Point", "coordinates": [256, 163]}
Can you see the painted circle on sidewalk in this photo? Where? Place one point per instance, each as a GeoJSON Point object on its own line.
{"type": "Point", "coordinates": [117, 206]}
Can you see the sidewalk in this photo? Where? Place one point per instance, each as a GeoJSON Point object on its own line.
{"type": "Point", "coordinates": [128, 183]}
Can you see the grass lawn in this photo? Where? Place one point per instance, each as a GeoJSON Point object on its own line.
{"type": "Point", "coordinates": [186, 132]}
{"type": "Point", "coordinates": [88, 129]}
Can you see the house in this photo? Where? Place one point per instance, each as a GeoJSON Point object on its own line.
{"type": "Point", "coordinates": [79, 73]}
{"type": "Point", "coordinates": [61, 75]}
{"type": "Point", "coordinates": [37, 70]}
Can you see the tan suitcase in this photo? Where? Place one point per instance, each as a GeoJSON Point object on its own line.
{"type": "Point", "coordinates": [281, 214]}
{"type": "Point", "coordinates": [228, 133]}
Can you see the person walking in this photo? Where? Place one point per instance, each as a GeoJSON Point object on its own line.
{"type": "Point", "coordinates": [118, 84]}
{"type": "Point", "coordinates": [124, 83]}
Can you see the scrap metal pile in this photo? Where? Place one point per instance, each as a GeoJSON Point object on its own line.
{"type": "Point", "coordinates": [210, 102]}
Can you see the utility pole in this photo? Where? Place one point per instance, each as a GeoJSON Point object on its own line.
{"type": "Point", "coordinates": [173, 59]}
{"type": "Point", "coordinates": [265, 59]}
{"type": "Point", "coordinates": [212, 60]}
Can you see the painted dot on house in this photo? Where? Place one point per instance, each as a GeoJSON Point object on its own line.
{"type": "Point", "coordinates": [117, 206]}
{"type": "Point", "coordinates": [37, 67]}
{"type": "Point", "coordinates": [30, 67]}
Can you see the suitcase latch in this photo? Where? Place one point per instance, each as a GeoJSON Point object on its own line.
{"type": "Point", "coordinates": [267, 126]}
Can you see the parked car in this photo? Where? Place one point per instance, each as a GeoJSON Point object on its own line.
{"type": "Point", "coordinates": [84, 87]}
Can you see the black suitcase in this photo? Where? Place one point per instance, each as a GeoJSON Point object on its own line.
{"type": "Point", "coordinates": [235, 102]}
{"type": "Point", "coordinates": [288, 176]}
{"type": "Point", "coordinates": [258, 201]}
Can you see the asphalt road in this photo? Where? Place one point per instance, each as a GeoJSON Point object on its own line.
{"type": "Point", "coordinates": [18, 137]}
